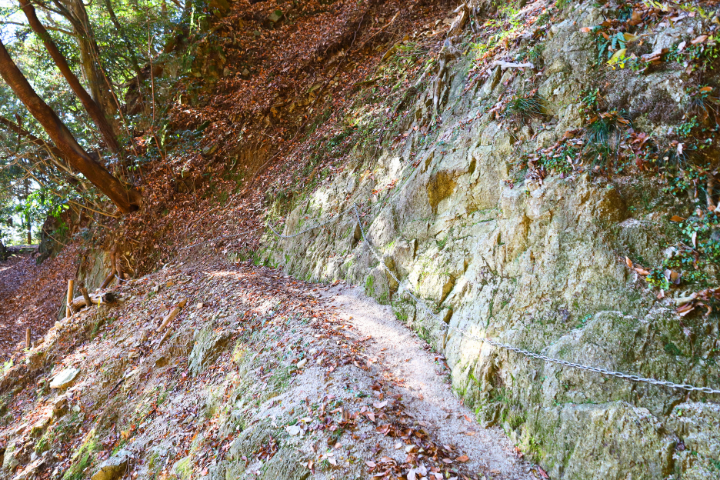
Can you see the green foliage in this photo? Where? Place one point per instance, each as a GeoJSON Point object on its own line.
{"type": "Point", "coordinates": [700, 57]}
{"type": "Point", "coordinates": [685, 129]}
{"type": "Point", "coordinates": [33, 183]}
{"type": "Point", "coordinates": [507, 23]}
{"type": "Point", "coordinates": [590, 100]}
{"type": "Point", "coordinates": [525, 107]}
{"type": "Point", "coordinates": [559, 162]}
{"type": "Point", "coordinates": [657, 279]}
{"type": "Point", "coordinates": [672, 349]}
{"type": "Point", "coordinates": [370, 285]}
{"type": "Point", "coordinates": [603, 125]}
{"type": "Point", "coordinates": [83, 457]}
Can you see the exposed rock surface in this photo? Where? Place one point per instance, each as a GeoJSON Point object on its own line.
{"type": "Point", "coordinates": [65, 378]}
{"type": "Point", "coordinates": [534, 263]}
{"type": "Point", "coordinates": [114, 467]}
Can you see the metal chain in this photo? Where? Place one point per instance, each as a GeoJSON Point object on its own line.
{"type": "Point", "coordinates": [331, 220]}
{"type": "Point", "coordinates": [494, 343]}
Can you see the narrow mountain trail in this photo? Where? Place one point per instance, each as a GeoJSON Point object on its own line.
{"type": "Point", "coordinates": [423, 378]}
{"type": "Point", "coordinates": [256, 375]}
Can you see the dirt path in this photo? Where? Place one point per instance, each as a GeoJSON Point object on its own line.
{"type": "Point", "coordinates": [407, 358]}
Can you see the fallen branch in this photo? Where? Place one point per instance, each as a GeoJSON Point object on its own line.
{"type": "Point", "coordinates": [165, 337]}
{"type": "Point", "coordinates": [88, 300]}
{"type": "Point", "coordinates": [108, 280]}
{"type": "Point", "coordinates": [173, 313]}
{"type": "Point", "coordinates": [96, 299]}
{"type": "Point", "coordinates": [505, 65]}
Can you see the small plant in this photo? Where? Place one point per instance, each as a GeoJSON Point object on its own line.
{"type": "Point", "coordinates": [658, 280]}
{"type": "Point", "coordinates": [524, 107]}
{"type": "Point", "coordinates": [603, 125]}
{"type": "Point", "coordinates": [701, 102]}
{"type": "Point", "coordinates": [685, 129]}
{"type": "Point", "coordinates": [604, 135]}
{"type": "Point", "coordinates": [560, 162]}
{"type": "Point", "coordinates": [590, 100]}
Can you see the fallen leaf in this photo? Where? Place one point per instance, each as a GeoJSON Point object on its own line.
{"type": "Point", "coordinates": [685, 309]}
{"type": "Point", "coordinates": [700, 39]}
{"type": "Point", "coordinates": [676, 218]}
{"type": "Point", "coordinates": [629, 37]}
{"type": "Point", "coordinates": [384, 429]}
{"type": "Point", "coordinates": [617, 56]}
{"type": "Point", "coordinates": [628, 262]}
{"type": "Point", "coordinates": [462, 458]}
{"type": "Point", "coordinates": [635, 19]}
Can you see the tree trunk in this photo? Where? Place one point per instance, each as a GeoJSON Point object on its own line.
{"type": "Point", "coordinates": [90, 58]}
{"type": "Point", "coordinates": [28, 221]}
{"type": "Point", "coordinates": [90, 105]}
{"type": "Point", "coordinates": [127, 200]}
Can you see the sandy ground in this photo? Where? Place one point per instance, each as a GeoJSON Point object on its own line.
{"type": "Point", "coordinates": [407, 357]}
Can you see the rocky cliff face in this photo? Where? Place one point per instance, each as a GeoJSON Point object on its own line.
{"type": "Point", "coordinates": [513, 221]}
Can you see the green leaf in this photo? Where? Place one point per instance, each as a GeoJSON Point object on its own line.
{"type": "Point", "coordinates": [617, 57]}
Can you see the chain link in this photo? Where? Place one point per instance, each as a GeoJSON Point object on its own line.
{"type": "Point", "coordinates": [329, 221]}
{"type": "Point", "coordinates": [489, 341]}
